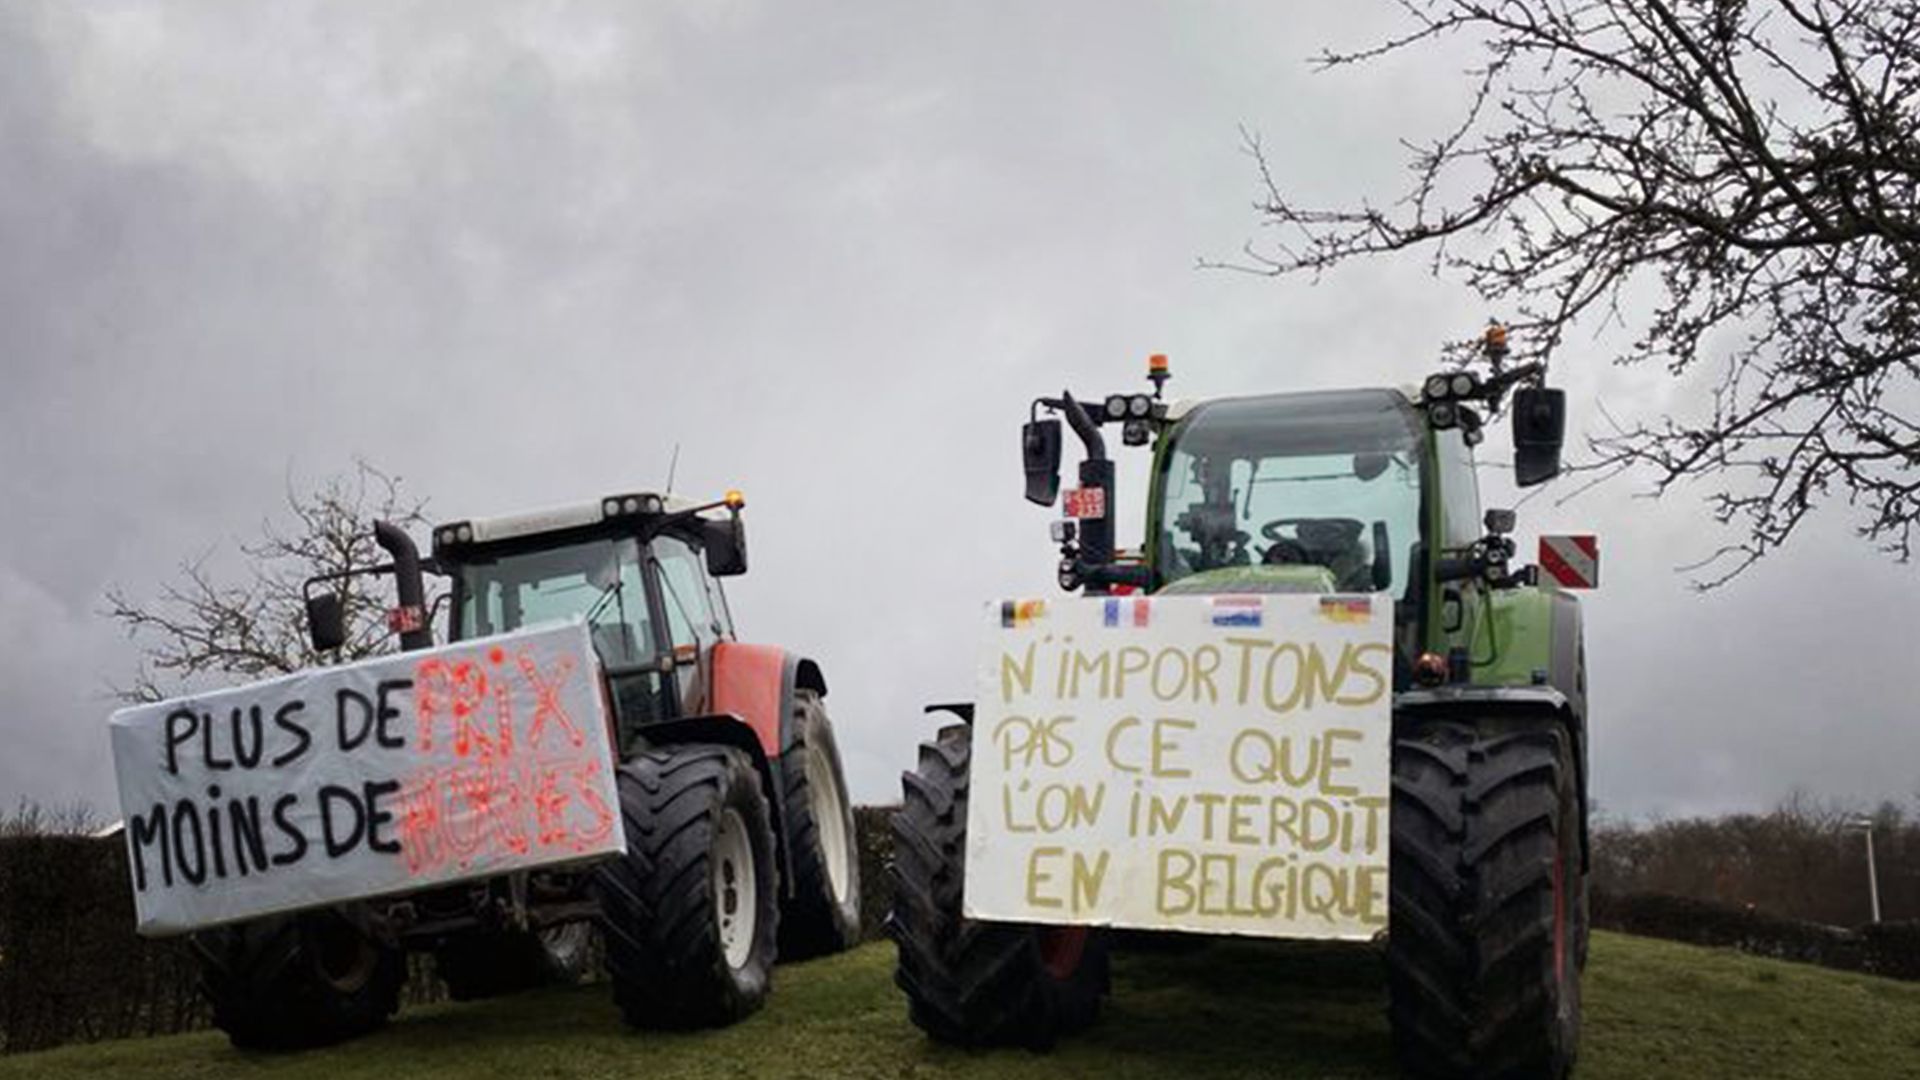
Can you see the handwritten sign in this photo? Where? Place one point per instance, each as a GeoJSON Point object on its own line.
{"type": "Point", "coordinates": [384, 776]}
{"type": "Point", "coordinates": [1211, 764]}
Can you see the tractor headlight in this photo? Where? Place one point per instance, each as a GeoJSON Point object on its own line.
{"type": "Point", "coordinates": [1462, 385]}
{"type": "Point", "coordinates": [1436, 387]}
{"type": "Point", "coordinates": [444, 536]}
{"type": "Point", "coordinates": [1443, 414]}
{"type": "Point", "coordinates": [610, 508]}
{"type": "Point", "coordinates": [631, 505]}
{"type": "Point", "coordinates": [464, 534]}
{"type": "Point", "coordinates": [1139, 406]}
{"type": "Point", "coordinates": [1116, 407]}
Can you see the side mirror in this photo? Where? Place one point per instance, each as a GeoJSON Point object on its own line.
{"type": "Point", "coordinates": [726, 546]}
{"type": "Point", "coordinates": [1040, 454]}
{"type": "Point", "coordinates": [326, 621]}
{"type": "Point", "coordinates": [1539, 428]}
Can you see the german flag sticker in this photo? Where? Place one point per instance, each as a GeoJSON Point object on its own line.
{"type": "Point", "coordinates": [1346, 609]}
{"type": "Point", "coordinates": [1021, 612]}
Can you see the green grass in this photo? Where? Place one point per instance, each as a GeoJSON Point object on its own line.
{"type": "Point", "coordinates": [1654, 1009]}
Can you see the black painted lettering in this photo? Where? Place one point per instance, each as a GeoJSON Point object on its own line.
{"type": "Point", "coordinates": [333, 796]}
{"type": "Point", "coordinates": [283, 717]}
{"type": "Point", "coordinates": [177, 734]}
{"type": "Point", "coordinates": [377, 817]}
{"type": "Point", "coordinates": [289, 829]}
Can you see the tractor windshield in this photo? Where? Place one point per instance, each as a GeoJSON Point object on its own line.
{"type": "Point", "coordinates": [599, 579]}
{"type": "Point", "coordinates": [1319, 482]}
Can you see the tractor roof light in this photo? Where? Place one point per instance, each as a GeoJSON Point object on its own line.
{"type": "Point", "coordinates": [1463, 384]}
{"type": "Point", "coordinates": [610, 508]}
{"type": "Point", "coordinates": [734, 499]}
{"type": "Point", "coordinates": [1139, 406]}
{"type": "Point", "coordinates": [1437, 387]}
{"type": "Point", "coordinates": [1158, 372]}
{"type": "Point", "coordinates": [1115, 406]}
{"type": "Point", "coordinates": [463, 533]}
{"type": "Point", "coordinates": [1443, 414]}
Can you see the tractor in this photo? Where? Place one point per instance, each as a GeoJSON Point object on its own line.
{"type": "Point", "coordinates": [1369, 491]}
{"type": "Point", "coordinates": [739, 833]}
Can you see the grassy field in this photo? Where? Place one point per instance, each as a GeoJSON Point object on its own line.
{"type": "Point", "coordinates": [1654, 1009]}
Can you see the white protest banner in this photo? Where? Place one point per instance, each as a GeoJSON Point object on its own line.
{"type": "Point", "coordinates": [1218, 764]}
{"type": "Point", "coordinates": [383, 776]}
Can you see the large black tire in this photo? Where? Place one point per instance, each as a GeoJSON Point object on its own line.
{"type": "Point", "coordinates": [823, 913]}
{"type": "Point", "coordinates": [1483, 974]}
{"type": "Point", "coordinates": [286, 982]}
{"type": "Point", "coordinates": [484, 965]}
{"type": "Point", "coordinates": [691, 912]}
{"type": "Point", "coordinates": [976, 983]}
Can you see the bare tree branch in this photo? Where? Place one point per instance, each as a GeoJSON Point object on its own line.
{"type": "Point", "coordinates": [1737, 182]}
{"type": "Point", "coordinates": [256, 627]}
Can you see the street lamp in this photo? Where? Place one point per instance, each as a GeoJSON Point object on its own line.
{"type": "Point", "coordinates": [1865, 825]}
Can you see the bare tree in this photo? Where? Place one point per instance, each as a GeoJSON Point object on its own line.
{"type": "Point", "coordinates": [1735, 183]}
{"type": "Point", "coordinates": [256, 627]}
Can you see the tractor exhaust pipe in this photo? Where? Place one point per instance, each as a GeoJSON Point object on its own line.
{"type": "Point", "coordinates": [410, 618]}
{"type": "Point", "coordinates": [1096, 471]}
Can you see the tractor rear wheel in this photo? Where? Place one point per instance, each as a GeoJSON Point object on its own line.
{"type": "Point", "coordinates": [823, 914]}
{"type": "Point", "coordinates": [691, 911]}
{"type": "Point", "coordinates": [477, 966]}
{"type": "Point", "coordinates": [977, 983]}
{"type": "Point", "coordinates": [1484, 977]}
{"type": "Point", "coordinates": [287, 982]}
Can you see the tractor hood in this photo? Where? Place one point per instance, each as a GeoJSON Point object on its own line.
{"type": "Point", "coordinates": [1254, 579]}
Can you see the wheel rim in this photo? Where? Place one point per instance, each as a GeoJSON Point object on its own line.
{"type": "Point", "coordinates": [734, 888]}
{"type": "Point", "coordinates": [344, 957]}
{"type": "Point", "coordinates": [566, 943]}
{"type": "Point", "coordinates": [830, 820]}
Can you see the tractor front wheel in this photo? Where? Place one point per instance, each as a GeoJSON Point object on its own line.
{"type": "Point", "coordinates": [691, 911]}
{"type": "Point", "coordinates": [1482, 948]}
{"type": "Point", "coordinates": [977, 983]}
{"type": "Point", "coordinates": [823, 914]}
{"type": "Point", "coordinates": [286, 982]}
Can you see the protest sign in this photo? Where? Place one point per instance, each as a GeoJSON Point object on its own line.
{"type": "Point", "coordinates": [1213, 764]}
{"type": "Point", "coordinates": [382, 776]}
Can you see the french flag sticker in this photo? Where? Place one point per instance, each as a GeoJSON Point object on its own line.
{"type": "Point", "coordinates": [1236, 611]}
{"type": "Point", "coordinates": [1135, 611]}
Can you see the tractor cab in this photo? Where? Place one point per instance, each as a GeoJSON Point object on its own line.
{"type": "Point", "coordinates": [642, 569]}
{"type": "Point", "coordinates": [1346, 491]}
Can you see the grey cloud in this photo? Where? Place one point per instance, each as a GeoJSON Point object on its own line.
{"type": "Point", "coordinates": [517, 254]}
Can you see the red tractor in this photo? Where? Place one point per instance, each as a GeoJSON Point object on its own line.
{"type": "Point", "coordinates": [739, 832]}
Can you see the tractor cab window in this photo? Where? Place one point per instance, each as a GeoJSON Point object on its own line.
{"type": "Point", "coordinates": [683, 592]}
{"type": "Point", "coordinates": [1459, 489]}
{"type": "Point", "coordinates": [1329, 481]}
{"type": "Point", "coordinates": [599, 579]}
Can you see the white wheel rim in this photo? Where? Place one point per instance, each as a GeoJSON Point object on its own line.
{"type": "Point", "coordinates": [734, 888]}
{"type": "Point", "coordinates": [830, 819]}
{"type": "Point", "coordinates": [565, 943]}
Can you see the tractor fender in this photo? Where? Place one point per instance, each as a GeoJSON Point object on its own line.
{"type": "Point", "coordinates": [753, 692]}
{"type": "Point", "coordinates": [1516, 707]}
{"type": "Point", "coordinates": [756, 683]}
{"type": "Point", "coordinates": [729, 729]}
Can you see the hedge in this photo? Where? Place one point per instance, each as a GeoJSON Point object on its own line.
{"type": "Point", "coordinates": [72, 969]}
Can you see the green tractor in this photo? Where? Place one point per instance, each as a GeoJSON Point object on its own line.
{"type": "Point", "coordinates": [1355, 491]}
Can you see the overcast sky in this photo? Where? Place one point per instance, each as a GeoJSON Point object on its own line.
{"type": "Point", "coordinates": [515, 253]}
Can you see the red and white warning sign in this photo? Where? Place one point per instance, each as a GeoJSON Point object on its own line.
{"type": "Point", "coordinates": [1086, 503]}
{"type": "Point", "coordinates": [1572, 562]}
